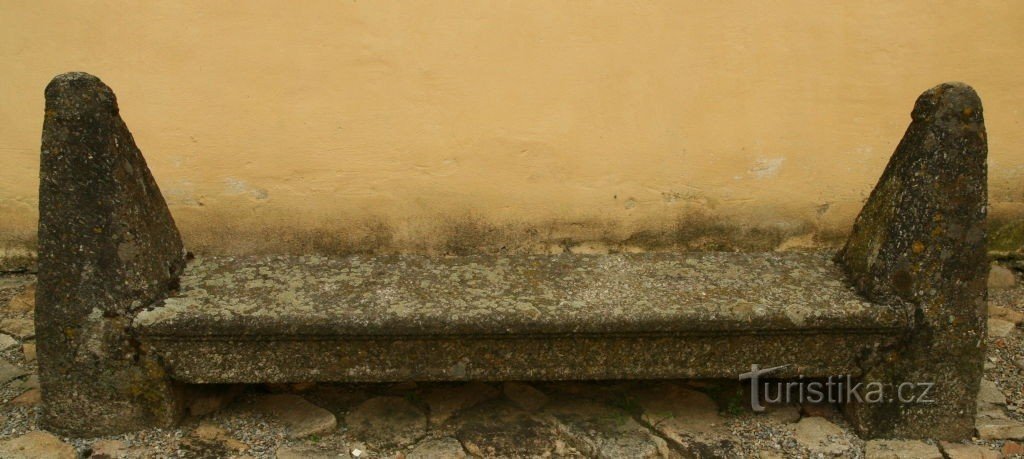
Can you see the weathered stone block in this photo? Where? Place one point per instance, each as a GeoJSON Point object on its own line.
{"type": "Point", "coordinates": [920, 240]}
{"type": "Point", "coordinates": [107, 248]}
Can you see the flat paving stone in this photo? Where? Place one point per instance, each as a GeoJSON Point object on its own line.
{"type": "Point", "coordinates": [437, 448]}
{"type": "Point", "coordinates": [999, 429]}
{"type": "Point", "coordinates": [820, 436]}
{"type": "Point", "coordinates": [966, 451]}
{"type": "Point", "coordinates": [7, 342]}
{"type": "Point", "coordinates": [21, 328]}
{"type": "Point", "coordinates": [301, 417]}
{"type": "Point", "coordinates": [901, 449]}
{"type": "Point", "coordinates": [392, 421]}
{"type": "Point", "coordinates": [446, 400]}
{"type": "Point", "coordinates": [687, 418]}
{"type": "Point", "coordinates": [601, 431]}
{"type": "Point", "coordinates": [499, 429]}
{"type": "Point", "coordinates": [9, 371]}
{"type": "Point", "coordinates": [37, 444]}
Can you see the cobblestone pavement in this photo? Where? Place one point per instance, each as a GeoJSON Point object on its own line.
{"type": "Point", "coordinates": [705, 418]}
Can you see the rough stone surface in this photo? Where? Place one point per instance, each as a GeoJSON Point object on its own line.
{"type": "Point", "coordinates": [524, 395]}
{"type": "Point", "coordinates": [109, 449]}
{"type": "Point", "coordinates": [1000, 277]}
{"type": "Point", "coordinates": [989, 394]}
{"type": "Point", "coordinates": [300, 417]}
{"type": "Point", "coordinates": [999, 328]}
{"type": "Point", "coordinates": [35, 445]}
{"type": "Point", "coordinates": [822, 437]}
{"type": "Point", "coordinates": [387, 420]}
{"type": "Point", "coordinates": [7, 342]}
{"type": "Point", "coordinates": [23, 302]}
{"type": "Point", "coordinates": [748, 434]}
{"type": "Point", "coordinates": [210, 440]}
{"type": "Point", "coordinates": [966, 451]}
{"type": "Point", "coordinates": [261, 359]}
{"type": "Point", "coordinates": [437, 448]}
{"type": "Point", "coordinates": [108, 247]}
{"type": "Point", "coordinates": [1000, 429]}
{"type": "Point", "coordinates": [499, 429]}
{"type": "Point", "coordinates": [578, 317]}
{"type": "Point", "coordinates": [510, 295]}
{"type": "Point", "coordinates": [446, 401]}
{"type": "Point", "coordinates": [687, 418]}
{"type": "Point", "coordinates": [901, 449]}
{"type": "Point", "coordinates": [604, 432]}
{"type": "Point", "coordinates": [1013, 449]}
{"type": "Point", "coordinates": [30, 397]}
{"type": "Point", "coordinates": [22, 328]}
{"type": "Point", "coordinates": [920, 241]}
{"type": "Point", "coordinates": [9, 371]}
{"type": "Point", "coordinates": [305, 452]}
{"type": "Point", "coordinates": [29, 351]}
{"type": "Point", "coordinates": [1004, 313]}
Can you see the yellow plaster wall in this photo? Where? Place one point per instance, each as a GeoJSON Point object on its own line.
{"type": "Point", "coordinates": [409, 125]}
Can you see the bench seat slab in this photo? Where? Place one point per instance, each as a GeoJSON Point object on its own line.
{"type": "Point", "coordinates": [392, 318]}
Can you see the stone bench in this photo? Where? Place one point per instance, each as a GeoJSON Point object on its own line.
{"type": "Point", "coordinates": [124, 319]}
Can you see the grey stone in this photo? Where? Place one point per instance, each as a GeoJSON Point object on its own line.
{"type": "Point", "coordinates": [210, 440]}
{"type": "Point", "coordinates": [1004, 313]}
{"type": "Point", "coordinates": [901, 449]}
{"type": "Point", "coordinates": [968, 451]}
{"type": "Point", "coordinates": [30, 397]}
{"type": "Point", "coordinates": [108, 247]}
{"type": "Point", "coordinates": [23, 302]}
{"type": "Point", "coordinates": [989, 394]}
{"type": "Point", "coordinates": [9, 371]}
{"type": "Point", "coordinates": [687, 418]}
{"type": "Point", "coordinates": [7, 342]}
{"type": "Point", "coordinates": [920, 241]}
{"type": "Point", "coordinates": [601, 431]}
{"type": "Point", "coordinates": [499, 429]}
{"type": "Point", "coordinates": [524, 395]}
{"type": "Point", "coordinates": [29, 383]}
{"type": "Point", "coordinates": [110, 449]}
{"type": "Point", "coordinates": [1000, 277]}
{"type": "Point", "coordinates": [445, 401]}
{"type": "Point", "coordinates": [337, 398]}
{"type": "Point", "coordinates": [22, 328]}
{"type": "Point", "coordinates": [305, 452]}
{"type": "Point", "coordinates": [37, 444]}
{"type": "Point", "coordinates": [820, 436]}
{"type": "Point", "coordinates": [301, 417]}
{"type": "Point", "coordinates": [999, 328]}
{"type": "Point", "coordinates": [1000, 429]}
{"type": "Point", "coordinates": [391, 421]}
{"type": "Point", "coordinates": [437, 448]}
{"type": "Point", "coordinates": [12, 282]}
{"type": "Point", "coordinates": [404, 317]}
{"type": "Point", "coordinates": [29, 351]}
{"type": "Point", "coordinates": [501, 295]}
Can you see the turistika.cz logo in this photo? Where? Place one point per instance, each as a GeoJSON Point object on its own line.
{"type": "Point", "coordinates": [833, 389]}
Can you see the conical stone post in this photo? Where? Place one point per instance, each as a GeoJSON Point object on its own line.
{"type": "Point", "coordinates": [920, 241]}
{"type": "Point", "coordinates": [108, 247]}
